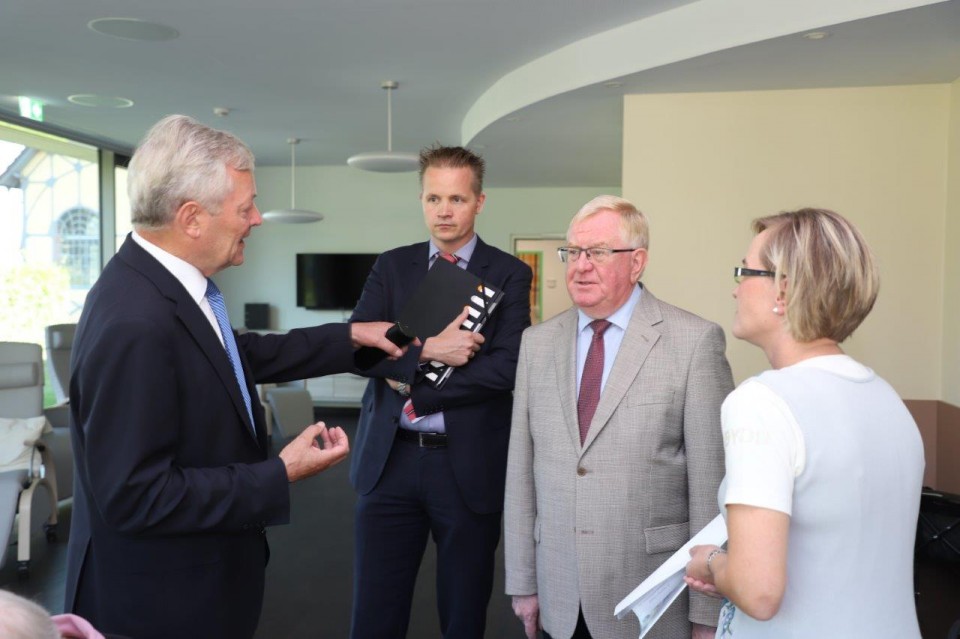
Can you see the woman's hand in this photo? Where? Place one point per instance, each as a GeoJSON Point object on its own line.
{"type": "Point", "coordinates": [702, 587]}
{"type": "Point", "coordinates": [699, 577]}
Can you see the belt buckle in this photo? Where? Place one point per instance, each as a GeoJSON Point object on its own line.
{"type": "Point", "coordinates": [423, 439]}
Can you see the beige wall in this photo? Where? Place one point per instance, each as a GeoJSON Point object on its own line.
{"type": "Point", "coordinates": [703, 165]}
{"type": "Point", "coordinates": [368, 213]}
{"type": "Point", "coordinates": [951, 270]}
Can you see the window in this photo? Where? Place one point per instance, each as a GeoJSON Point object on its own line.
{"type": "Point", "coordinates": [78, 246]}
{"type": "Point", "coordinates": [51, 227]}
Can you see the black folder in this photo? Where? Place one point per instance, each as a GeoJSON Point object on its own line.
{"type": "Point", "coordinates": [438, 300]}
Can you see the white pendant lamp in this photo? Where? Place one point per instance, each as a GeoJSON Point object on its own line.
{"type": "Point", "coordinates": [388, 161]}
{"type": "Point", "coordinates": [293, 215]}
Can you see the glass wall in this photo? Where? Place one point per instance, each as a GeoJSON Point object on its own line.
{"type": "Point", "coordinates": [51, 248]}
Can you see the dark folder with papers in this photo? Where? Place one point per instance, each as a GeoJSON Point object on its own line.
{"type": "Point", "coordinates": [438, 300]}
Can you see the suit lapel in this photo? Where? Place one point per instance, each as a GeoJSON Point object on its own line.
{"type": "Point", "coordinates": [566, 366]}
{"type": "Point", "coordinates": [195, 322]}
{"type": "Point", "coordinates": [638, 341]}
{"type": "Point", "coordinates": [419, 261]}
{"type": "Point", "coordinates": [480, 260]}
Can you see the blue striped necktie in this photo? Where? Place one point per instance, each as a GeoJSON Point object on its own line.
{"type": "Point", "coordinates": [215, 297]}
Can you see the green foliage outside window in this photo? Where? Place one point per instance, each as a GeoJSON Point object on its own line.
{"type": "Point", "coordinates": [31, 297]}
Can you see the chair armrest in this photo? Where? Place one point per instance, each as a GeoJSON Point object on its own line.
{"type": "Point", "coordinates": [58, 415]}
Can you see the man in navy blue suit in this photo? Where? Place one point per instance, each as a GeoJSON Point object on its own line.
{"type": "Point", "coordinates": [432, 462]}
{"type": "Point", "coordinates": [174, 480]}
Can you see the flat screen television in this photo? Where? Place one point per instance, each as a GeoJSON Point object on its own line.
{"type": "Point", "coordinates": [332, 281]}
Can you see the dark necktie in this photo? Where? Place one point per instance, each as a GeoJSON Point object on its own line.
{"type": "Point", "coordinates": [590, 378]}
{"type": "Point", "coordinates": [215, 297]}
{"type": "Point", "coordinates": [408, 405]}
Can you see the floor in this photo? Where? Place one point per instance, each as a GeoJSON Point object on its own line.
{"type": "Point", "coordinates": [308, 592]}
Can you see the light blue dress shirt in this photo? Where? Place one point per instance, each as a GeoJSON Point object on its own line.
{"type": "Point", "coordinates": [612, 338]}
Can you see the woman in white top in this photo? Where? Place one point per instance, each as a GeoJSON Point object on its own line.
{"type": "Point", "coordinates": [824, 463]}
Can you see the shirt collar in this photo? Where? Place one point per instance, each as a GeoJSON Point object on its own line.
{"type": "Point", "coordinates": [464, 253]}
{"type": "Point", "coordinates": [186, 273]}
{"type": "Point", "coordinates": [619, 318]}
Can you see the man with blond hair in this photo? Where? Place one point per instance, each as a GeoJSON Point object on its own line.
{"type": "Point", "coordinates": [431, 462]}
{"type": "Point", "coordinates": [615, 446]}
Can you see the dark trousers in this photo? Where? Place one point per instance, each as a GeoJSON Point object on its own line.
{"type": "Point", "coordinates": [417, 497]}
{"type": "Point", "coordinates": [580, 632]}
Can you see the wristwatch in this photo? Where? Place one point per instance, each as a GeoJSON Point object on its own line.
{"type": "Point", "coordinates": [404, 389]}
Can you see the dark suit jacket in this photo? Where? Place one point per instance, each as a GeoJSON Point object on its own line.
{"type": "Point", "coordinates": [476, 400]}
{"type": "Point", "coordinates": [172, 490]}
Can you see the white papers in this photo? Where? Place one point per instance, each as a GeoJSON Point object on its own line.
{"type": "Point", "coordinates": [651, 598]}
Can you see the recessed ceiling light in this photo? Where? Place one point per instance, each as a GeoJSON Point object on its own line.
{"type": "Point", "coordinates": [133, 29]}
{"type": "Point", "coordinates": [514, 118]}
{"type": "Point", "coordinates": [614, 84]}
{"type": "Point", "coordinates": [816, 35]}
{"type": "Point", "coordinates": [90, 100]}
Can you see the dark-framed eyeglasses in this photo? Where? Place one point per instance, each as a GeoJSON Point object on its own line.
{"type": "Point", "coordinates": [595, 254]}
{"type": "Point", "coordinates": [740, 272]}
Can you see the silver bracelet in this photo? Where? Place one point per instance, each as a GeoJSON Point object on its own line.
{"type": "Point", "coordinates": [713, 553]}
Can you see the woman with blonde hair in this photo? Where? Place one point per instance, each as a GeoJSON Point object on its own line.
{"type": "Point", "coordinates": [824, 462]}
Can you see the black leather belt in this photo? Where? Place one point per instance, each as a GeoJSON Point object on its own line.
{"type": "Point", "coordinates": [424, 440]}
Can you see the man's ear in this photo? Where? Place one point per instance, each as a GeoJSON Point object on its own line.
{"type": "Point", "coordinates": [638, 264]}
{"type": "Point", "coordinates": [188, 219]}
{"type": "Point", "coordinates": [480, 200]}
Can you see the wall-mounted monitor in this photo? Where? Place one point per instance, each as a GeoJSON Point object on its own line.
{"type": "Point", "coordinates": [332, 281]}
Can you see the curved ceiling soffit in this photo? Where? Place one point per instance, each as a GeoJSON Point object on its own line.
{"type": "Point", "coordinates": [692, 30]}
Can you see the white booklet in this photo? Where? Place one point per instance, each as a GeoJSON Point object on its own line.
{"type": "Point", "coordinates": [651, 598]}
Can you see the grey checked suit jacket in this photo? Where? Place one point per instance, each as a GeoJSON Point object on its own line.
{"type": "Point", "coordinates": [585, 525]}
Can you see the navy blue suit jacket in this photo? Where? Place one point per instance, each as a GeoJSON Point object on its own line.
{"type": "Point", "coordinates": [476, 400]}
{"type": "Point", "coordinates": [172, 489]}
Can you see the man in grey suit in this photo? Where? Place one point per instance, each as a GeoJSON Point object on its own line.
{"type": "Point", "coordinates": [615, 447]}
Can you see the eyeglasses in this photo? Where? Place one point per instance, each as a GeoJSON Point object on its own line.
{"type": "Point", "coordinates": [740, 272]}
{"type": "Point", "coordinates": [595, 254]}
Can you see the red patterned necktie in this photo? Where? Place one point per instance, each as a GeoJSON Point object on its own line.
{"type": "Point", "coordinates": [590, 378]}
{"type": "Point", "coordinates": [408, 405]}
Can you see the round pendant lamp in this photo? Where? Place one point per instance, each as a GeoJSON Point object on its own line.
{"type": "Point", "coordinates": [388, 161]}
{"type": "Point", "coordinates": [293, 215]}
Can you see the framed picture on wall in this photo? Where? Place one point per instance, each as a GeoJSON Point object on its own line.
{"type": "Point", "coordinates": [534, 259]}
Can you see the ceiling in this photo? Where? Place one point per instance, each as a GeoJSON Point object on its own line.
{"type": "Point", "coordinates": [535, 85]}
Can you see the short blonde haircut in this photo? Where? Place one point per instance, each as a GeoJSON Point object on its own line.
{"type": "Point", "coordinates": [831, 276]}
{"type": "Point", "coordinates": [453, 157]}
{"type": "Point", "coordinates": [634, 230]}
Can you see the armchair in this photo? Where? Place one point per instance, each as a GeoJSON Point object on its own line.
{"type": "Point", "coordinates": [21, 398]}
{"type": "Point", "coordinates": [59, 338]}
{"type": "Point", "coordinates": [288, 407]}
{"type": "Point", "coordinates": [59, 344]}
